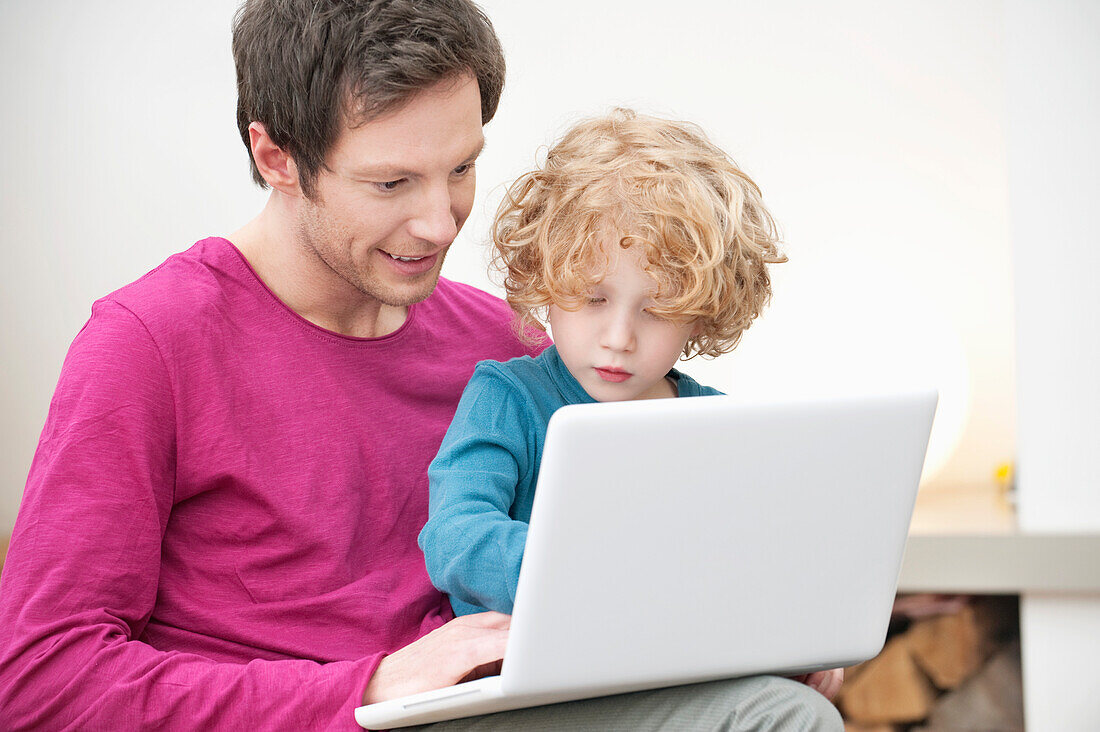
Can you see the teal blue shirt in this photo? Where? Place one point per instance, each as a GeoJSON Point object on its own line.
{"type": "Point", "coordinates": [482, 481]}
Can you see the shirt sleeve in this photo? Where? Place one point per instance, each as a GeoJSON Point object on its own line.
{"type": "Point", "coordinates": [472, 546]}
{"type": "Point", "coordinates": [81, 579]}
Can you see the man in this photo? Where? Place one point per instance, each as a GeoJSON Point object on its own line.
{"type": "Point", "coordinates": [219, 526]}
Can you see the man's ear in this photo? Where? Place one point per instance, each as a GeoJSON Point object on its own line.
{"type": "Point", "coordinates": [275, 165]}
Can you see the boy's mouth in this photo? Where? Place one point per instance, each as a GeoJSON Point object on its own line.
{"type": "Point", "coordinates": [614, 375]}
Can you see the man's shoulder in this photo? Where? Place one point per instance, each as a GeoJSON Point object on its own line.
{"type": "Point", "coordinates": [464, 313]}
{"type": "Point", "coordinates": [459, 298]}
{"type": "Point", "coordinates": [178, 283]}
{"type": "Point", "coordinates": [134, 329]}
{"type": "Point", "coordinates": [181, 287]}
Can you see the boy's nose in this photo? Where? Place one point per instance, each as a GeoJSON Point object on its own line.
{"type": "Point", "coordinates": [619, 334]}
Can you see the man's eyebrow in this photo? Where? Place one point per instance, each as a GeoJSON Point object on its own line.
{"type": "Point", "coordinates": [386, 171]}
{"type": "Point", "coordinates": [477, 152]}
{"type": "Point", "coordinates": [474, 154]}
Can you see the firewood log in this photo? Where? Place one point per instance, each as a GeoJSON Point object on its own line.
{"type": "Point", "coordinates": [856, 727]}
{"type": "Point", "coordinates": [949, 648]}
{"type": "Point", "coordinates": [889, 689]}
{"type": "Point", "coordinates": [991, 699]}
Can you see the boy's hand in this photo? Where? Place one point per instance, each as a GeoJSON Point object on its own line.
{"type": "Point", "coordinates": [464, 649]}
{"type": "Point", "coordinates": [826, 682]}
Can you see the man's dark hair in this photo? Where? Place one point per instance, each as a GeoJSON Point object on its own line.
{"type": "Point", "coordinates": [305, 67]}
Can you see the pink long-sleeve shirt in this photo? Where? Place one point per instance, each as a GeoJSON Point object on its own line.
{"type": "Point", "coordinates": [219, 526]}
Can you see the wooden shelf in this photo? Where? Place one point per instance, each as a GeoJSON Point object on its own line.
{"type": "Point", "coordinates": [980, 510]}
{"type": "Point", "coordinates": [967, 541]}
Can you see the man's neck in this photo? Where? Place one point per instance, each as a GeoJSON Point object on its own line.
{"type": "Point", "coordinates": [304, 282]}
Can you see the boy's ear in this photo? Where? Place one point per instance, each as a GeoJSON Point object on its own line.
{"type": "Point", "coordinates": [275, 165]}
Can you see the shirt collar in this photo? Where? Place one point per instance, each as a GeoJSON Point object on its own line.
{"type": "Point", "coordinates": [569, 387]}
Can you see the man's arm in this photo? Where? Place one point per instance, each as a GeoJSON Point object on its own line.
{"type": "Point", "coordinates": [81, 580]}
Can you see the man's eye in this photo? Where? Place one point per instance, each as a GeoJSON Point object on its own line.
{"type": "Point", "coordinates": [390, 185]}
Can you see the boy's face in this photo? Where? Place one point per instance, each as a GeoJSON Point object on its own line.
{"type": "Point", "coordinates": [612, 345]}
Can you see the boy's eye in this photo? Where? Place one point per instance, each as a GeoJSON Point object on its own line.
{"type": "Point", "coordinates": [463, 169]}
{"type": "Point", "coordinates": [595, 300]}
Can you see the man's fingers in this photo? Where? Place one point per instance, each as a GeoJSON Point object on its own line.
{"type": "Point", "coordinates": [477, 644]}
{"type": "Point", "coordinates": [467, 647]}
{"type": "Point", "coordinates": [828, 682]}
{"type": "Point", "coordinates": [486, 669]}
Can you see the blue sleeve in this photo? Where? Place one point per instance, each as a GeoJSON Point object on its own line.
{"type": "Point", "coordinates": [472, 547]}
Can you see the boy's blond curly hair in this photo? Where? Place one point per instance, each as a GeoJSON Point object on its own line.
{"type": "Point", "coordinates": [651, 182]}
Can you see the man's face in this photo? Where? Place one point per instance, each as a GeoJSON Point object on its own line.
{"type": "Point", "coordinates": [612, 345]}
{"type": "Point", "coordinates": [396, 192]}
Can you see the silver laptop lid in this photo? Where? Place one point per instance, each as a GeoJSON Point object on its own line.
{"type": "Point", "coordinates": [681, 540]}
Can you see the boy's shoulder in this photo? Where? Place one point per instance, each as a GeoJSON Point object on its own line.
{"type": "Point", "coordinates": [522, 373]}
{"type": "Point", "coordinates": [689, 387]}
{"type": "Point", "coordinates": [539, 381]}
{"type": "Point", "coordinates": [518, 391]}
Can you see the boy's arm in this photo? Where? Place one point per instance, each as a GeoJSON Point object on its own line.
{"type": "Point", "coordinates": [81, 580]}
{"type": "Point", "coordinates": [472, 547]}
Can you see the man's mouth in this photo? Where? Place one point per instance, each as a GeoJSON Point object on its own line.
{"type": "Point", "coordinates": [412, 266]}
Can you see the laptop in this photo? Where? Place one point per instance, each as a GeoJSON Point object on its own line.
{"type": "Point", "coordinates": [678, 541]}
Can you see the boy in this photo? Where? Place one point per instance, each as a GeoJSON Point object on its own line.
{"type": "Point", "coordinates": [639, 241]}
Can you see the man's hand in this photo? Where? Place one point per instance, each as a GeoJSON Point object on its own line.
{"type": "Point", "coordinates": [464, 649]}
{"type": "Point", "coordinates": [826, 682]}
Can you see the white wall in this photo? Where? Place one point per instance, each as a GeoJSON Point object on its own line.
{"type": "Point", "coordinates": [1054, 154]}
{"type": "Point", "coordinates": [1053, 72]}
{"type": "Point", "coordinates": [118, 139]}
{"type": "Point", "coordinates": [875, 131]}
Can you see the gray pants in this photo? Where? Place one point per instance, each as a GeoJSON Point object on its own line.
{"type": "Point", "coordinates": [749, 704]}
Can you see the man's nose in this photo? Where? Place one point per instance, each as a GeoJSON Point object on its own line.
{"type": "Point", "coordinates": [435, 220]}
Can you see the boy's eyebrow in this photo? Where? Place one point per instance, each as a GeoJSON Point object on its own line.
{"type": "Point", "coordinates": [650, 294]}
{"type": "Point", "coordinates": [387, 171]}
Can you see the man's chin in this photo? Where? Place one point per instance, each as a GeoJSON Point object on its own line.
{"type": "Point", "coordinates": [406, 293]}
